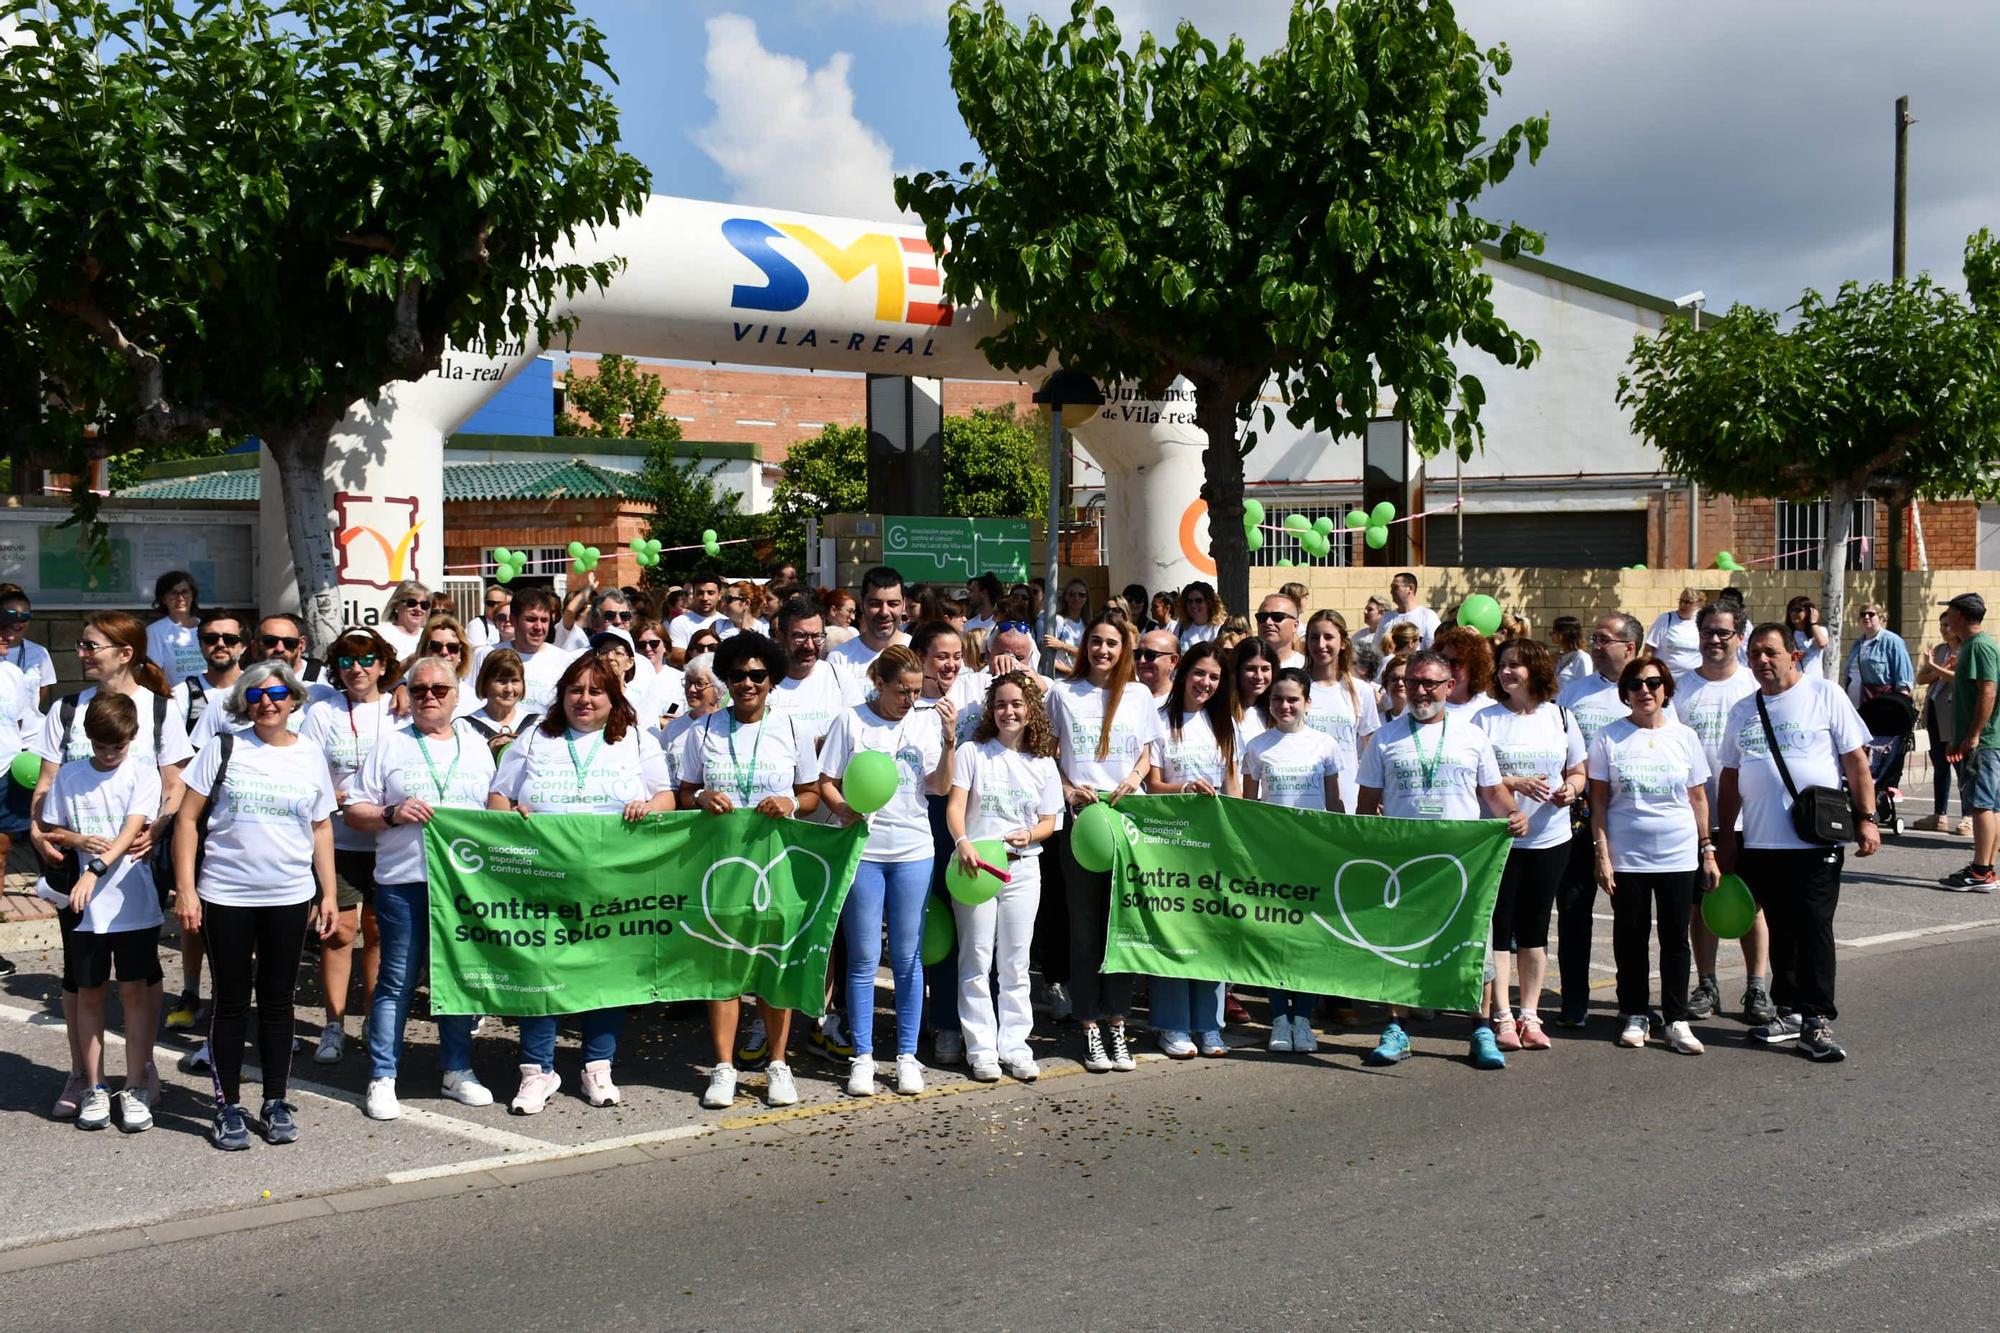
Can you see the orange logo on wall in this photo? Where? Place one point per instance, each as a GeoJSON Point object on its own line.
{"type": "Point", "coordinates": [369, 554]}
{"type": "Point", "coordinates": [1194, 538]}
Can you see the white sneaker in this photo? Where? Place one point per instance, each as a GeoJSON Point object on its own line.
{"type": "Point", "coordinates": [721, 1088]}
{"type": "Point", "coordinates": [382, 1103]}
{"type": "Point", "coordinates": [135, 1111]}
{"type": "Point", "coordinates": [198, 1061]}
{"type": "Point", "coordinates": [949, 1046]}
{"type": "Point", "coordinates": [463, 1086]}
{"type": "Point", "coordinates": [985, 1069]}
{"type": "Point", "coordinates": [1681, 1038]}
{"type": "Point", "coordinates": [1304, 1040]}
{"type": "Point", "coordinates": [598, 1089]}
{"type": "Point", "coordinates": [1121, 1050]}
{"type": "Point", "coordinates": [94, 1112]}
{"type": "Point", "coordinates": [1176, 1045]}
{"type": "Point", "coordinates": [332, 1045]}
{"type": "Point", "coordinates": [1637, 1028]}
{"type": "Point", "coordinates": [1095, 1058]}
{"type": "Point", "coordinates": [779, 1089]}
{"type": "Point", "coordinates": [861, 1076]}
{"type": "Point", "coordinates": [537, 1086]}
{"type": "Point", "coordinates": [909, 1075]}
{"type": "Point", "coordinates": [1022, 1066]}
{"type": "Point", "coordinates": [1281, 1035]}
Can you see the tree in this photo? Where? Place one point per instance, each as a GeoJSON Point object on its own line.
{"type": "Point", "coordinates": [1890, 389]}
{"type": "Point", "coordinates": [687, 499]}
{"type": "Point", "coordinates": [619, 400]}
{"type": "Point", "coordinates": [245, 218]}
{"type": "Point", "coordinates": [1179, 210]}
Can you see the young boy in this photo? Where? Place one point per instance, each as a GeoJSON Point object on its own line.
{"type": "Point", "coordinates": [94, 811]}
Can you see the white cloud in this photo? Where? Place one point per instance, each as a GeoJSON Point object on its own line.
{"type": "Point", "coordinates": [785, 135]}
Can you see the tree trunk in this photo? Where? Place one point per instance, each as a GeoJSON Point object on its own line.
{"type": "Point", "coordinates": [1833, 570]}
{"type": "Point", "coordinates": [299, 453]}
{"type": "Point", "coordinates": [1222, 488]}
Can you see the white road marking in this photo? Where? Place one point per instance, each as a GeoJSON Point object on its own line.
{"type": "Point", "coordinates": [1895, 935]}
{"type": "Point", "coordinates": [548, 1153]}
{"type": "Point", "coordinates": [1840, 1256]}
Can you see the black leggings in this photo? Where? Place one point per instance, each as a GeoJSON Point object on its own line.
{"type": "Point", "coordinates": [1527, 893]}
{"type": "Point", "coordinates": [275, 936]}
{"type": "Point", "coordinates": [1094, 994]}
{"type": "Point", "coordinates": [1632, 921]}
{"type": "Point", "coordinates": [1576, 895]}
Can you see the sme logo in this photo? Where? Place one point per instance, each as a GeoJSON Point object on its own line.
{"type": "Point", "coordinates": [906, 271]}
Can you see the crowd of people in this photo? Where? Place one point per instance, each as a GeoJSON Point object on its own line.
{"type": "Point", "coordinates": [272, 801]}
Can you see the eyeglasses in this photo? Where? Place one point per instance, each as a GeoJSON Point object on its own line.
{"type": "Point", "coordinates": [756, 676]}
{"type": "Point", "coordinates": [1718, 634]}
{"type": "Point", "coordinates": [429, 691]}
{"type": "Point", "coordinates": [1394, 683]}
{"type": "Point", "coordinates": [1425, 684]}
{"type": "Point", "coordinates": [651, 645]}
{"type": "Point", "coordinates": [1152, 654]}
{"type": "Point", "coordinates": [1269, 617]}
{"type": "Point", "coordinates": [800, 636]}
{"type": "Point", "coordinates": [277, 694]}
{"type": "Point", "coordinates": [289, 642]}
{"type": "Point", "coordinates": [88, 649]}
{"type": "Point", "coordinates": [439, 648]}
{"type": "Point", "coordinates": [16, 617]}
{"type": "Point", "coordinates": [1871, 615]}
{"type": "Point", "coordinates": [210, 640]}
{"type": "Point", "coordinates": [1650, 683]}
{"type": "Point", "coordinates": [618, 617]}
{"type": "Point", "coordinates": [347, 663]}
{"type": "Point", "coordinates": [182, 591]}
{"type": "Point", "coordinates": [1013, 627]}
{"type": "Point", "coordinates": [1604, 640]}
{"type": "Point", "coordinates": [411, 604]}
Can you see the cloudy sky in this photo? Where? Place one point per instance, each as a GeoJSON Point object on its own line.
{"type": "Point", "coordinates": [1742, 149]}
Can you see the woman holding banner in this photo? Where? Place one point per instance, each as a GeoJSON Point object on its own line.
{"type": "Point", "coordinates": [433, 764]}
{"type": "Point", "coordinates": [589, 756]}
{"type": "Point", "coordinates": [1199, 753]}
{"type": "Point", "coordinates": [893, 881]}
{"type": "Point", "coordinates": [746, 757]}
{"type": "Point", "coordinates": [1105, 723]}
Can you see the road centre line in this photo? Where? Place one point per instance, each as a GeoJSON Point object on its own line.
{"type": "Point", "coordinates": [549, 1152]}
{"type": "Point", "coordinates": [1836, 1257]}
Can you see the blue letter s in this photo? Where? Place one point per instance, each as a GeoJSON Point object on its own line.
{"type": "Point", "coordinates": [786, 288]}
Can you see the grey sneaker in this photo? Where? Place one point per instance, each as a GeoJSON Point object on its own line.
{"type": "Point", "coordinates": [1757, 1007]}
{"type": "Point", "coordinates": [231, 1130]}
{"type": "Point", "coordinates": [1816, 1042]}
{"type": "Point", "coordinates": [1783, 1028]}
{"type": "Point", "coordinates": [279, 1127]}
{"type": "Point", "coordinates": [1702, 1001]}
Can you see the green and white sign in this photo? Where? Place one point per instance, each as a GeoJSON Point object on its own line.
{"type": "Point", "coordinates": [558, 914]}
{"type": "Point", "coordinates": [1393, 910]}
{"type": "Point", "coordinates": [955, 550]}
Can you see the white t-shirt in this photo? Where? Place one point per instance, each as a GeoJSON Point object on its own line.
{"type": "Point", "coordinates": [1332, 713]}
{"type": "Point", "coordinates": [1704, 706]}
{"type": "Point", "coordinates": [1650, 770]}
{"type": "Point", "coordinates": [1191, 634]}
{"type": "Point", "coordinates": [1292, 768]}
{"type": "Point", "coordinates": [215, 718]}
{"type": "Point", "coordinates": [481, 632]}
{"type": "Point", "coordinates": [1006, 790]}
{"type": "Point", "coordinates": [1593, 701]}
{"type": "Point", "coordinates": [673, 744]}
{"type": "Point", "coordinates": [347, 733]}
{"type": "Point", "coordinates": [453, 774]}
{"type": "Point", "coordinates": [813, 703]}
{"type": "Point", "coordinates": [19, 706]}
{"type": "Point", "coordinates": [1574, 665]}
{"type": "Point", "coordinates": [86, 800]}
{"type": "Point", "coordinates": [683, 626]}
{"type": "Point", "coordinates": [540, 674]}
{"type": "Point", "coordinates": [580, 773]}
{"type": "Point", "coordinates": [1543, 744]}
{"type": "Point", "coordinates": [1813, 663]}
{"type": "Point", "coordinates": [260, 825]}
{"type": "Point", "coordinates": [1422, 617]}
{"type": "Point", "coordinates": [175, 649]}
{"type": "Point", "coordinates": [33, 661]}
{"type": "Point", "coordinates": [1076, 709]}
{"type": "Point", "coordinates": [1676, 642]}
{"type": "Point", "coordinates": [403, 642]}
{"type": "Point", "coordinates": [1815, 724]}
{"type": "Point", "coordinates": [1438, 778]}
{"type": "Point", "coordinates": [213, 696]}
{"type": "Point", "coordinates": [1251, 725]}
{"type": "Point", "coordinates": [1195, 755]}
{"type": "Point", "coordinates": [968, 698]}
{"type": "Point", "coordinates": [854, 657]}
{"type": "Point", "coordinates": [1471, 708]}
{"type": "Point", "coordinates": [749, 760]}
{"type": "Point", "coordinates": [174, 747]}
{"type": "Point", "coordinates": [900, 830]}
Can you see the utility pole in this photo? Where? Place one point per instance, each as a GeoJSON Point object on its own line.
{"type": "Point", "coordinates": [1899, 506]}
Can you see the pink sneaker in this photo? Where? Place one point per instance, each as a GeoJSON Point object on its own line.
{"type": "Point", "coordinates": [598, 1089]}
{"type": "Point", "coordinates": [537, 1086]}
{"type": "Point", "coordinates": [1532, 1036]}
{"type": "Point", "coordinates": [1506, 1035]}
{"type": "Point", "coordinates": [71, 1101]}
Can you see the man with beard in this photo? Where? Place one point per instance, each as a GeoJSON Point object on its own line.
{"type": "Point", "coordinates": [881, 623]}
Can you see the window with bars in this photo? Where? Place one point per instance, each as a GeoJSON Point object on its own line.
{"type": "Point", "coordinates": [1802, 527]}
{"type": "Point", "coordinates": [1285, 545]}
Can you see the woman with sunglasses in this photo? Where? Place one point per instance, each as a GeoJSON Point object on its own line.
{"type": "Point", "coordinates": [1202, 614]}
{"type": "Point", "coordinates": [346, 729]}
{"type": "Point", "coordinates": [1470, 657]}
{"type": "Point", "coordinates": [704, 640]}
{"type": "Point", "coordinates": [435, 763]}
{"type": "Point", "coordinates": [893, 882]}
{"type": "Point", "coordinates": [403, 617]}
{"type": "Point", "coordinates": [170, 640]}
{"type": "Point", "coordinates": [1199, 753]}
{"type": "Point", "coordinates": [1254, 663]}
{"type": "Point", "coordinates": [445, 639]}
{"type": "Point", "coordinates": [24, 655]}
{"type": "Point", "coordinates": [740, 602]}
{"type": "Point", "coordinates": [1392, 693]}
{"type": "Point", "coordinates": [1809, 636]}
{"type": "Point", "coordinates": [649, 636]}
{"type": "Point", "coordinates": [1649, 821]}
{"type": "Point", "coordinates": [1106, 724]}
{"type": "Point", "coordinates": [265, 878]}
{"type": "Point", "coordinates": [111, 650]}
{"type": "Point", "coordinates": [749, 757]}
{"type": "Point", "coordinates": [588, 756]}
{"type": "Point", "coordinates": [1059, 646]}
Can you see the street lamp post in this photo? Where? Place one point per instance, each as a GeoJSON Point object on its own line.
{"type": "Point", "coordinates": [1072, 398]}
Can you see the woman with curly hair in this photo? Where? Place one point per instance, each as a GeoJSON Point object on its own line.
{"type": "Point", "coordinates": [1470, 657]}
{"type": "Point", "coordinates": [1202, 614]}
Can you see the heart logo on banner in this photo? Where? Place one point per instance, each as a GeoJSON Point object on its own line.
{"type": "Point", "coordinates": [1392, 891]}
{"type": "Point", "coordinates": [760, 901]}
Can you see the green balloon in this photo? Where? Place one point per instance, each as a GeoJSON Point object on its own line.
{"type": "Point", "coordinates": [712, 549]}
{"type": "Point", "coordinates": [1094, 838]}
{"type": "Point", "coordinates": [940, 931]}
{"type": "Point", "coordinates": [1298, 523]}
{"type": "Point", "coordinates": [1254, 539]}
{"type": "Point", "coordinates": [26, 769]}
{"type": "Point", "coordinates": [869, 782]}
{"type": "Point", "coordinates": [1383, 514]}
{"type": "Point", "coordinates": [1729, 910]}
{"type": "Point", "coordinates": [1357, 518]}
{"type": "Point", "coordinates": [575, 550]}
{"type": "Point", "coordinates": [1284, 564]}
{"type": "Point", "coordinates": [1377, 538]}
{"type": "Point", "coordinates": [1253, 511]}
{"type": "Point", "coordinates": [502, 556]}
{"type": "Point", "coordinates": [1322, 525]}
{"type": "Point", "coordinates": [1317, 544]}
{"type": "Point", "coordinates": [977, 887]}
{"type": "Point", "coordinates": [1480, 612]}
{"type": "Point", "coordinates": [708, 536]}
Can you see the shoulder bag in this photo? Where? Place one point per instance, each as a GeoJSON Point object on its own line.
{"type": "Point", "coordinates": [1820, 815]}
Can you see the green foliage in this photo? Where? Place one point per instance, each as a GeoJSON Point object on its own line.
{"type": "Point", "coordinates": [620, 400]}
{"type": "Point", "coordinates": [686, 499]}
{"type": "Point", "coordinates": [125, 469]}
{"type": "Point", "coordinates": [1154, 210]}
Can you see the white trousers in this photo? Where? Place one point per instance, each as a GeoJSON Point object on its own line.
{"type": "Point", "coordinates": [993, 939]}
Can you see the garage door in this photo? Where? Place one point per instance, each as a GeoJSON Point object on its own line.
{"type": "Point", "coordinates": [1569, 539]}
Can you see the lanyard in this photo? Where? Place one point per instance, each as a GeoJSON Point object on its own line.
{"type": "Point", "coordinates": [745, 780]}
{"type": "Point", "coordinates": [443, 784]}
{"type": "Point", "coordinates": [575, 762]}
{"type": "Point", "coordinates": [1429, 770]}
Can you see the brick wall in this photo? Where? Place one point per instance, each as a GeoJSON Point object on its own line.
{"type": "Point", "coordinates": [1748, 530]}
{"type": "Point", "coordinates": [476, 527]}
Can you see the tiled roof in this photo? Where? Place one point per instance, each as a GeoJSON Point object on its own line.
{"type": "Point", "coordinates": [205, 487]}
{"type": "Point", "coordinates": [542, 479]}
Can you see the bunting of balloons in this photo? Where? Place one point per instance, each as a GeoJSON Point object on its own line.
{"type": "Point", "coordinates": [583, 559]}
{"type": "Point", "coordinates": [1373, 524]}
{"type": "Point", "coordinates": [507, 564]}
{"type": "Point", "coordinates": [709, 544]}
{"type": "Point", "coordinates": [1253, 519]}
{"type": "Point", "coordinates": [646, 551]}
{"type": "Point", "coordinates": [1724, 560]}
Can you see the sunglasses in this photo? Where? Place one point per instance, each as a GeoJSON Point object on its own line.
{"type": "Point", "coordinates": [1422, 684]}
{"type": "Point", "coordinates": [257, 694]}
{"type": "Point", "coordinates": [1013, 627]}
{"type": "Point", "coordinates": [1649, 683]}
{"type": "Point", "coordinates": [439, 648]}
{"type": "Point", "coordinates": [432, 691]}
{"type": "Point", "coordinates": [1152, 654]}
{"type": "Point", "coordinates": [347, 663]}
{"type": "Point", "coordinates": [210, 640]}
{"type": "Point", "coordinates": [1274, 617]}
{"type": "Point", "coordinates": [289, 642]}
{"type": "Point", "coordinates": [1604, 640]}
{"type": "Point", "coordinates": [16, 617]}
{"type": "Point", "coordinates": [619, 617]}
{"type": "Point", "coordinates": [495, 606]}
{"type": "Point", "coordinates": [648, 645]}
{"type": "Point", "coordinates": [754, 675]}
{"type": "Point", "coordinates": [411, 603]}
{"type": "Point", "coordinates": [87, 648]}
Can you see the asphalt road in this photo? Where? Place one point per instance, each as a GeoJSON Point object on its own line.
{"type": "Point", "coordinates": [1587, 1187]}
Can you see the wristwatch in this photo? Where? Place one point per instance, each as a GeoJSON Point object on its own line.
{"type": "Point", "coordinates": [1865, 816]}
{"type": "Point", "coordinates": [389, 814]}
{"type": "Point", "coordinates": [97, 866]}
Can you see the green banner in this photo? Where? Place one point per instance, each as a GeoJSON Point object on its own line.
{"type": "Point", "coordinates": [557, 914]}
{"type": "Point", "coordinates": [1394, 910]}
{"type": "Point", "coordinates": [955, 550]}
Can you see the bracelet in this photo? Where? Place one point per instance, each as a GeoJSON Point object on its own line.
{"type": "Point", "coordinates": [961, 839]}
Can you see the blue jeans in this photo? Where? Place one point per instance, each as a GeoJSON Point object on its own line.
{"type": "Point", "coordinates": [896, 890]}
{"type": "Point", "coordinates": [1291, 1004]}
{"type": "Point", "coordinates": [1180, 1005]}
{"type": "Point", "coordinates": [403, 916]}
{"type": "Point", "coordinates": [600, 1037]}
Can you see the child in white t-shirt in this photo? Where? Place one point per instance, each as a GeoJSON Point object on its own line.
{"type": "Point", "coordinates": [111, 915]}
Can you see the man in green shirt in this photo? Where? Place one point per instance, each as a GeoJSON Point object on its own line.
{"type": "Point", "coordinates": [1976, 752]}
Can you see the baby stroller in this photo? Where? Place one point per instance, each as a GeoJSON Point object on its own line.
{"type": "Point", "coordinates": [1891, 720]}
